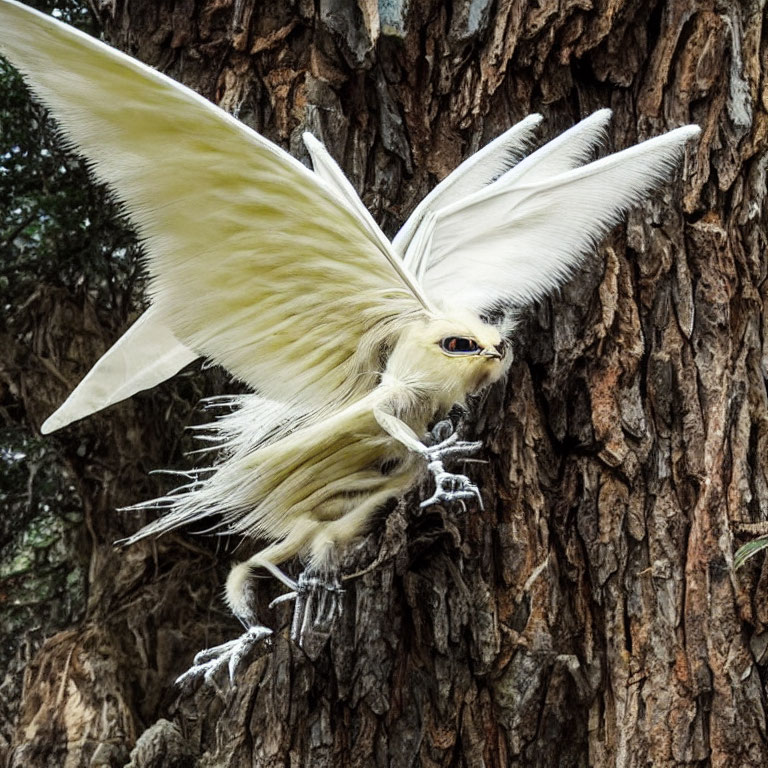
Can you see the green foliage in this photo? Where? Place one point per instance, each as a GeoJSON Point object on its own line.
{"type": "Point", "coordinates": [41, 520]}
{"type": "Point", "coordinates": [750, 549]}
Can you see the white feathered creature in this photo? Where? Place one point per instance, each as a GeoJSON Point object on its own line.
{"type": "Point", "coordinates": [354, 345]}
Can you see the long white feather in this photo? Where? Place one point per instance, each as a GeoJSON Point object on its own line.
{"type": "Point", "coordinates": [509, 244]}
{"type": "Point", "coordinates": [569, 150]}
{"type": "Point", "coordinates": [328, 170]}
{"type": "Point", "coordinates": [144, 356]}
{"type": "Point", "coordinates": [473, 174]}
{"type": "Point", "coordinates": [246, 246]}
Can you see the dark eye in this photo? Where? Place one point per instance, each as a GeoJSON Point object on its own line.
{"type": "Point", "coordinates": [458, 345]}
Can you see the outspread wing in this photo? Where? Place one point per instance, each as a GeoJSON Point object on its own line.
{"type": "Point", "coordinates": [247, 249]}
{"type": "Point", "coordinates": [148, 353]}
{"type": "Point", "coordinates": [523, 235]}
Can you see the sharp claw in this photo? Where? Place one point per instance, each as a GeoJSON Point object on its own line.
{"type": "Point", "coordinates": [234, 661]}
{"type": "Point", "coordinates": [334, 605]}
{"type": "Point", "coordinates": [287, 597]}
{"type": "Point", "coordinates": [450, 488]}
{"type": "Point", "coordinates": [209, 661]}
{"type": "Point", "coordinates": [318, 605]}
{"type": "Point", "coordinates": [320, 609]}
{"type": "Point", "coordinates": [298, 615]}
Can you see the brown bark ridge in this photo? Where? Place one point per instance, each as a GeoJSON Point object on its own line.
{"type": "Point", "coordinates": [590, 615]}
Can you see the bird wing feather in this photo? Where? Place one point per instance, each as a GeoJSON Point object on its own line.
{"type": "Point", "coordinates": [245, 246]}
{"type": "Point", "coordinates": [519, 238]}
{"type": "Point", "coordinates": [145, 355]}
{"type": "Point", "coordinates": [473, 174]}
{"type": "Point", "coordinates": [569, 150]}
{"type": "Point", "coordinates": [148, 353]}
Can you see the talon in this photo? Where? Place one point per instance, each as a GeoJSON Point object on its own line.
{"type": "Point", "coordinates": [287, 597]}
{"type": "Point", "coordinates": [234, 660]}
{"type": "Point", "coordinates": [318, 606]}
{"type": "Point", "coordinates": [209, 661]}
{"type": "Point", "coordinates": [321, 609]}
{"type": "Point", "coordinates": [450, 487]}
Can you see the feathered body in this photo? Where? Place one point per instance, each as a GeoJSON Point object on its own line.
{"type": "Point", "coordinates": [312, 481]}
{"type": "Point", "coordinates": [353, 344]}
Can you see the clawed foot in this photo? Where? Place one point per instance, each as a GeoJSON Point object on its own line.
{"type": "Point", "coordinates": [452, 448]}
{"type": "Point", "coordinates": [208, 662]}
{"type": "Point", "coordinates": [450, 487]}
{"type": "Point", "coordinates": [318, 606]}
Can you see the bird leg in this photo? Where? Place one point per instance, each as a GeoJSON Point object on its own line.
{"type": "Point", "coordinates": [449, 487]}
{"type": "Point", "coordinates": [242, 601]}
{"type": "Point", "coordinates": [318, 606]}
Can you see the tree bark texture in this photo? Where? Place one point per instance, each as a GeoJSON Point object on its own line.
{"type": "Point", "coordinates": [590, 615]}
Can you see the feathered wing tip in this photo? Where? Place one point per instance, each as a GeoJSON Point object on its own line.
{"type": "Point", "coordinates": [478, 170]}
{"type": "Point", "coordinates": [328, 170]}
{"type": "Point", "coordinates": [569, 150]}
{"type": "Point", "coordinates": [512, 243]}
{"type": "Point", "coordinates": [144, 356]}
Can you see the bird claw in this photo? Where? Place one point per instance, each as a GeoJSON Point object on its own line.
{"type": "Point", "coordinates": [452, 448]}
{"type": "Point", "coordinates": [450, 488]}
{"type": "Point", "coordinates": [318, 606]}
{"type": "Point", "coordinates": [208, 662]}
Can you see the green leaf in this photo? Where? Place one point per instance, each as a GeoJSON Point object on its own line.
{"type": "Point", "coordinates": [749, 549]}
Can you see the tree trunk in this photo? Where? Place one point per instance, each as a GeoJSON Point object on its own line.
{"type": "Point", "coordinates": [590, 614]}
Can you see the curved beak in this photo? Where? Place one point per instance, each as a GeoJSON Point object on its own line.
{"type": "Point", "coordinates": [491, 352]}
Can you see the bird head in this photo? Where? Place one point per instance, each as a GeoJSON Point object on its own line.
{"type": "Point", "coordinates": [456, 354]}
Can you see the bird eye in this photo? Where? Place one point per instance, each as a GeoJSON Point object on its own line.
{"type": "Point", "coordinates": [459, 345]}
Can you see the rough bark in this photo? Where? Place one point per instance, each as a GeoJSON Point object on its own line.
{"type": "Point", "coordinates": [590, 615]}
